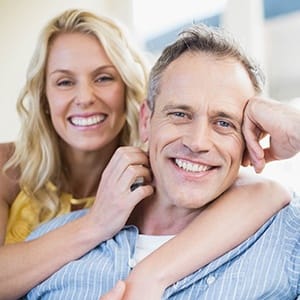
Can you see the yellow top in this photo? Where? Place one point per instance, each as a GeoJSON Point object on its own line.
{"type": "Point", "coordinates": [23, 215]}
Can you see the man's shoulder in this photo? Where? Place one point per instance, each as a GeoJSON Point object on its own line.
{"type": "Point", "coordinates": [288, 219]}
{"type": "Point", "coordinates": [56, 222]}
{"type": "Point", "coordinates": [295, 202]}
{"type": "Point", "coordinates": [292, 210]}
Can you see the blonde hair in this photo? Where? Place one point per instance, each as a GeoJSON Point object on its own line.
{"type": "Point", "coordinates": [37, 152]}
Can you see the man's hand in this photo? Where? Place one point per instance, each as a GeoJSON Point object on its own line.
{"type": "Point", "coordinates": [116, 293]}
{"type": "Point", "coordinates": [268, 117]}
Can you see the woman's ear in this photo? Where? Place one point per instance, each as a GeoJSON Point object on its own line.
{"type": "Point", "coordinates": [144, 122]}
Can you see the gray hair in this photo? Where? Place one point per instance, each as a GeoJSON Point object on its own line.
{"type": "Point", "coordinates": [210, 40]}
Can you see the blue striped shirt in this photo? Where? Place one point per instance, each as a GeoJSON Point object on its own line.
{"type": "Point", "coordinates": [265, 266]}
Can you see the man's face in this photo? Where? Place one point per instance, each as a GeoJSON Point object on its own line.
{"type": "Point", "coordinates": [195, 138]}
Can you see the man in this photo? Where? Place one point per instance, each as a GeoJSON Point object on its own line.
{"type": "Point", "coordinates": [192, 123]}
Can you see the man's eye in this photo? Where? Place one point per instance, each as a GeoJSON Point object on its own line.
{"type": "Point", "coordinates": [224, 123]}
{"type": "Point", "coordinates": [178, 114]}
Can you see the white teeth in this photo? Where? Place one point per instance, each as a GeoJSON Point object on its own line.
{"type": "Point", "coordinates": [93, 120]}
{"type": "Point", "coordinates": [190, 167]}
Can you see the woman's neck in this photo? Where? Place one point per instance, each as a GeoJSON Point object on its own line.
{"type": "Point", "coordinates": [82, 170]}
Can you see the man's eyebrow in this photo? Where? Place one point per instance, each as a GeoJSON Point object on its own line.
{"type": "Point", "coordinates": [176, 106]}
{"type": "Point", "coordinates": [228, 115]}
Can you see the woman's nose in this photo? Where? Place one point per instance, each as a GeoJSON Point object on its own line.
{"type": "Point", "coordinates": [85, 95]}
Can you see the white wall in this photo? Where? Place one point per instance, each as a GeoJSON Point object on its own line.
{"type": "Point", "coordinates": [282, 59]}
{"type": "Point", "coordinates": [245, 20]}
{"type": "Point", "coordinates": [20, 23]}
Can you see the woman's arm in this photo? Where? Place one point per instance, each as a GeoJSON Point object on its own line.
{"type": "Point", "coordinates": [224, 224]}
{"type": "Point", "coordinates": [24, 265]}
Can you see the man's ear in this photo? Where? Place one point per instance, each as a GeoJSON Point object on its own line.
{"type": "Point", "coordinates": [144, 121]}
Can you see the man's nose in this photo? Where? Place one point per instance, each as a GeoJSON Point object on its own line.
{"type": "Point", "coordinates": [198, 138]}
{"type": "Point", "coordinates": [85, 95]}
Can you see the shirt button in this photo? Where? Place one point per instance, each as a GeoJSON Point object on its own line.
{"type": "Point", "coordinates": [210, 279]}
{"type": "Point", "coordinates": [131, 263]}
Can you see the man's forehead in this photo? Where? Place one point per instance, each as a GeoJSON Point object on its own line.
{"type": "Point", "coordinates": [201, 80]}
{"type": "Point", "coordinates": [223, 109]}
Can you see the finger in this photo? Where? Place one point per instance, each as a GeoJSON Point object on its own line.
{"type": "Point", "coordinates": [128, 156]}
{"type": "Point", "coordinates": [122, 158]}
{"type": "Point", "coordinates": [254, 148]}
{"type": "Point", "coordinates": [116, 293]}
{"type": "Point", "coordinates": [259, 165]}
{"type": "Point", "coordinates": [253, 158]}
{"type": "Point", "coordinates": [246, 159]}
{"type": "Point", "coordinates": [254, 155]}
{"type": "Point", "coordinates": [252, 135]}
{"type": "Point", "coordinates": [141, 193]}
{"type": "Point", "coordinates": [134, 176]}
{"type": "Point", "coordinates": [137, 183]}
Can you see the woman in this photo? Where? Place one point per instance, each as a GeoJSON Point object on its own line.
{"type": "Point", "coordinates": [79, 104]}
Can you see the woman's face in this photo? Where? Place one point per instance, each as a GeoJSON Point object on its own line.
{"type": "Point", "coordinates": [85, 92]}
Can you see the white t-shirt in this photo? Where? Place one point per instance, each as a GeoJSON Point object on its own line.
{"type": "Point", "coordinates": [146, 244]}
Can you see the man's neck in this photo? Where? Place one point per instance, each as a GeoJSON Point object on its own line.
{"type": "Point", "coordinates": [154, 217]}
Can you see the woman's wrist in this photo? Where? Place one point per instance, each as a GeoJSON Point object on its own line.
{"type": "Point", "coordinates": [95, 228]}
{"type": "Point", "coordinates": [143, 278]}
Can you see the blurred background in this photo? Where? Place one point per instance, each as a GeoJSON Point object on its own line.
{"type": "Point", "coordinates": [268, 29]}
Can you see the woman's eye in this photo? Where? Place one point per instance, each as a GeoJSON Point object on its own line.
{"type": "Point", "coordinates": [103, 78]}
{"type": "Point", "coordinates": [65, 83]}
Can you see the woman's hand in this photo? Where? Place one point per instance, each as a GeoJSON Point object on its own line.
{"type": "Point", "coordinates": [143, 284]}
{"type": "Point", "coordinates": [134, 289]}
{"type": "Point", "coordinates": [115, 197]}
{"type": "Point", "coordinates": [116, 293]}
